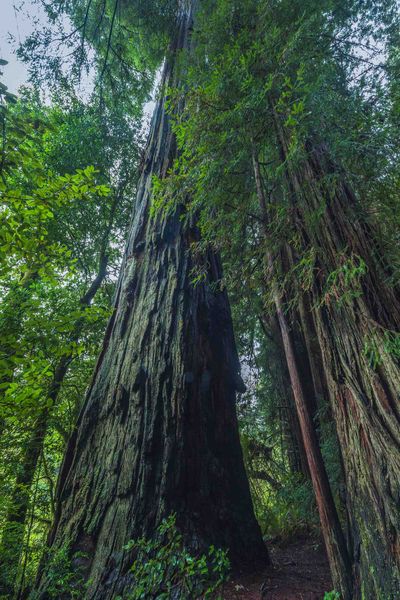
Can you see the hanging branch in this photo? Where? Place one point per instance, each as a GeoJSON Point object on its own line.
{"type": "Point", "coordinates": [85, 20]}
{"type": "Point", "coordinates": [109, 40]}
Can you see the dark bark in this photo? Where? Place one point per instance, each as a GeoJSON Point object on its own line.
{"type": "Point", "coordinates": [158, 433]}
{"type": "Point", "coordinates": [331, 528]}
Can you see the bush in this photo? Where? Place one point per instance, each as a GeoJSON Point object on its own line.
{"type": "Point", "coordinates": [63, 579]}
{"type": "Point", "coordinates": [332, 595]}
{"type": "Point", "coordinates": [163, 569]}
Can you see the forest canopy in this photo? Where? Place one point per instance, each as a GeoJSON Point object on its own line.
{"type": "Point", "coordinates": [200, 315]}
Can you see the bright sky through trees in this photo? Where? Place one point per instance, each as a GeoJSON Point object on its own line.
{"type": "Point", "coordinates": [15, 24]}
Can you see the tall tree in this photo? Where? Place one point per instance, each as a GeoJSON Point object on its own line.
{"type": "Point", "coordinates": [43, 240]}
{"type": "Point", "coordinates": [158, 432]}
{"type": "Point", "coordinates": [255, 83]}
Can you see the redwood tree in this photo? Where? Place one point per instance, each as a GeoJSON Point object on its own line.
{"type": "Point", "coordinates": [276, 75]}
{"type": "Point", "coordinates": [158, 432]}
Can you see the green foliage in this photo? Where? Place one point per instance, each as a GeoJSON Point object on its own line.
{"type": "Point", "coordinates": [282, 495]}
{"type": "Point", "coordinates": [98, 36]}
{"type": "Point", "coordinates": [378, 347]}
{"type": "Point", "coordinates": [332, 595]}
{"type": "Point", "coordinates": [27, 221]}
{"type": "Point", "coordinates": [273, 80]}
{"type": "Point", "coordinates": [36, 260]}
{"type": "Point", "coordinates": [164, 568]}
{"type": "Point", "coordinates": [288, 63]}
{"type": "Point", "coordinates": [344, 283]}
{"type": "Point", "coordinates": [290, 509]}
{"type": "Point", "coordinates": [64, 576]}
{"type": "Point", "coordinates": [62, 227]}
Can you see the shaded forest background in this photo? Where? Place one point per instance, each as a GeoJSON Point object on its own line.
{"type": "Point", "coordinates": [285, 119]}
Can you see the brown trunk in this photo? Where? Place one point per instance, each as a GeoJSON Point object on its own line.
{"type": "Point", "coordinates": [158, 433]}
{"type": "Point", "coordinates": [331, 528]}
{"type": "Point", "coordinates": [294, 441]}
{"type": "Point", "coordinates": [365, 398]}
{"type": "Point", "coordinates": [350, 315]}
{"type": "Point", "coordinates": [312, 351]}
{"type": "Point", "coordinates": [330, 524]}
{"type": "Point", "coordinates": [322, 396]}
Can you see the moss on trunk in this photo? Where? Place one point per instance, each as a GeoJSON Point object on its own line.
{"type": "Point", "coordinates": [158, 433]}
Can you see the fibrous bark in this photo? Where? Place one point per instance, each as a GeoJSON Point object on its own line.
{"type": "Point", "coordinates": [365, 397]}
{"type": "Point", "coordinates": [294, 444]}
{"type": "Point", "coordinates": [348, 316]}
{"type": "Point", "coordinates": [158, 433]}
{"type": "Point", "coordinates": [332, 532]}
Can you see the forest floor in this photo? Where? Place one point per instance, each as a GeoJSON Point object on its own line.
{"type": "Point", "coordinates": [300, 571]}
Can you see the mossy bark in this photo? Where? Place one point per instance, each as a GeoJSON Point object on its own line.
{"type": "Point", "coordinates": [364, 397]}
{"type": "Point", "coordinates": [332, 532]}
{"type": "Point", "coordinates": [158, 433]}
{"type": "Point", "coordinates": [349, 316]}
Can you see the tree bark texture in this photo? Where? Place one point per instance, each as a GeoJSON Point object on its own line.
{"type": "Point", "coordinates": [366, 406]}
{"type": "Point", "coordinates": [334, 539]}
{"type": "Point", "coordinates": [294, 443]}
{"type": "Point", "coordinates": [364, 393]}
{"type": "Point", "coordinates": [158, 433]}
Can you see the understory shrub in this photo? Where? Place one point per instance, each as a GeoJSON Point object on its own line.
{"type": "Point", "coordinates": [164, 569]}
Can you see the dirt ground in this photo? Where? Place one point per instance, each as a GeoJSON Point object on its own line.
{"type": "Point", "coordinates": [300, 571]}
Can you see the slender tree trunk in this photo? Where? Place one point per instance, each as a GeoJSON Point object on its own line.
{"type": "Point", "coordinates": [293, 446]}
{"type": "Point", "coordinates": [293, 439]}
{"type": "Point", "coordinates": [158, 433]}
{"type": "Point", "coordinates": [331, 529]}
{"type": "Point", "coordinates": [313, 352]}
{"type": "Point", "coordinates": [13, 532]}
{"type": "Point", "coordinates": [11, 547]}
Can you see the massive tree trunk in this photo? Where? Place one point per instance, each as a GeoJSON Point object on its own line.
{"type": "Point", "coordinates": [354, 312]}
{"type": "Point", "coordinates": [158, 433]}
{"type": "Point", "coordinates": [365, 397]}
{"type": "Point", "coordinates": [334, 539]}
